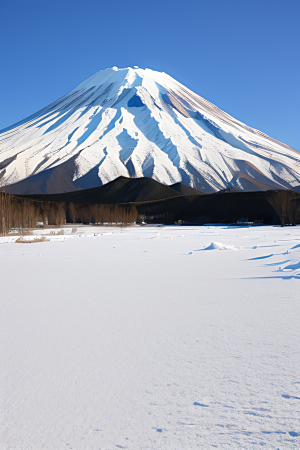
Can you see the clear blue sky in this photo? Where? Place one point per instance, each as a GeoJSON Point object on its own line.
{"type": "Point", "coordinates": [242, 55]}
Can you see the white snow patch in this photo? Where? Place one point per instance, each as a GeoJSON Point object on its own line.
{"type": "Point", "coordinates": [220, 246]}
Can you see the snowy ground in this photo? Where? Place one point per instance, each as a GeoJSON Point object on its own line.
{"type": "Point", "coordinates": [139, 338]}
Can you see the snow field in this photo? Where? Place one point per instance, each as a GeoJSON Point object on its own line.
{"type": "Point", "coordinates": [136, 338]}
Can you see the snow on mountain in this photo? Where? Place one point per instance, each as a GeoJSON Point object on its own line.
{"type": "Point", "coordinates": [139, 122]}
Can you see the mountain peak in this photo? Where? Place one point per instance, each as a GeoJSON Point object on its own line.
{"type": "Point", "coordinates": [137, 122]}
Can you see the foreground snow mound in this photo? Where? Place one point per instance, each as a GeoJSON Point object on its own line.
{"type": "Point", "coordinates": [140, 123]}
{"type": "Point", "coordinates": [220, 246]}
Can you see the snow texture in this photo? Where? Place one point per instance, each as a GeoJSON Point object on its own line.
{"type": "Point", "coordinates": [138, 122]}
{"type": "Point", "coordinates": [117, 338]}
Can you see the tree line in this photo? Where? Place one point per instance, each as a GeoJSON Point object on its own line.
{"type": "Point", "coordinates": [271, 207]}
{"type": "Point", "coordinates": [19, 212]}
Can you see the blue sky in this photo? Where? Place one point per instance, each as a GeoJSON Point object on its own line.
{"type": "Point", "coordinates": [241, 55]}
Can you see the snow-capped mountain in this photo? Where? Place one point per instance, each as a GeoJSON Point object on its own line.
{"type": "Point", "coordinates": [138, 122]}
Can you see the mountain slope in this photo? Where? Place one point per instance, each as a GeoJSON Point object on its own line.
{"type": "Point", "coordinates": [184, 189]}
{"type": "Point", "coordinates": [140, 123]}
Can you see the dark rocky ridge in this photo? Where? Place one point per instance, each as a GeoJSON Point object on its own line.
{"type": "Point", "coordinates": [120, 190]}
